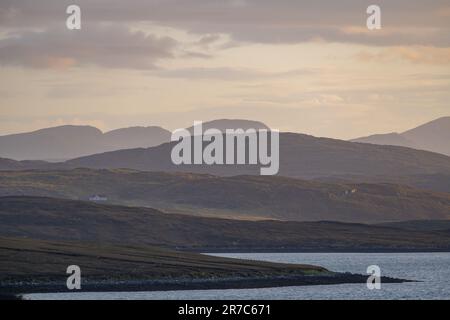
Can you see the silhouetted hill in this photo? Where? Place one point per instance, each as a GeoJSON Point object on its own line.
{"type": "Point", "coordinates": [66, 142]}
{"type": "Point", "coordinates": [9, 164]}
{"type": "Point", "coordinates": [68, 220]}
{"type": "Point", "coordinates": [135, 137]}
{"type": "Point", "coordinates": [432, 136]}
{"type": "Point", "coordinates": [393, 139]}
{"type": "Point", "coordinates": [224, 124]}
{"type": "Point", "coordinates": [301, 156]}
{"type": "Point", "coordinates": [244, 197]}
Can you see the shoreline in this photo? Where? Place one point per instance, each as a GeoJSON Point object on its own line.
{"type": "Point", "coordinates": [209, 250]}
{"type": "Point", "coordinates": [20, 288]}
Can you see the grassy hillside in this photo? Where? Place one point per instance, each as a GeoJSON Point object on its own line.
{"type": "Point", "coordinates": [25, 257]}
{"type": "Point", "coordinates": [9, 164]}
{"type": "Point", "coordinates": [68, 220]}
{"type": "Point", "coordinates": [432, 182]}
{"type": "Point", "coordinates": [29, 265]}
{"type": "Point", "coordinates": [420, 225]}
{"type": "Point", "coordinates": [243, 197]}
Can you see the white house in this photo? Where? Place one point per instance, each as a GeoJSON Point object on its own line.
{"type": "Point", "coordinates": [98, 198]}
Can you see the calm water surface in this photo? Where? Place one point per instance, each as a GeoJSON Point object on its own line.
{"type": "Point", "coordinates": [431, 269]}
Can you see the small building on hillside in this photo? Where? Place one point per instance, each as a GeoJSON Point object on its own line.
{"type": "Point", "coordinates": [350, 192]}
{"type": "Point", "coordinates": [98, 198]}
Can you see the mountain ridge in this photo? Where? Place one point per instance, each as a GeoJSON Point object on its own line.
{"type": "Point", "coordinates": [69, 141]}
{"type": "Point", "coordinates": [301, 156]}
{"type": "Point", "coordinates": [431, 136]}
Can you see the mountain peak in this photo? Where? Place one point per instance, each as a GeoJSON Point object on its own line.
{"type": "Point", "coordinates": [224, 124]}
{"type": "Point", "coordinates": [431, 136]}
{"type": "Point", "coordinates": [437, 124]}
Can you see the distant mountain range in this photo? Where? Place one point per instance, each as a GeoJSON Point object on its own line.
{"type": "Point", "coordinates": [69, 142]}
{"type": "Point", "coordinates": [301, 156]}
{"type": "Point", "coordinates": [224, 124]}
{"type": "Point", "coordinates": [66, 142]}
{"type": "Point", "coordinates": [239, 197]}
{"type": "Point", "coordinates": [68, 220]}
{"type": "Point", "coordinates": [432, 136]}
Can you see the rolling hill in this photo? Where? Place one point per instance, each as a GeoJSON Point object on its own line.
{"type": "Point", "coordinates": [79, 221]}
{"type": "Point", "coordinates": [242, 197]}
{"type": "Point", "coordinates": [301, 156]}
{"type": "Point", "coordinates": [439, 182]}
{"type": "Point", "coordinates": [432, 136]}
{"type": "Point", "coordinates": [9, 164]}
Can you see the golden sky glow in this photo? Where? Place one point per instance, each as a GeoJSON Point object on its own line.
{"type": "Point", "coordinates": [328, 78]}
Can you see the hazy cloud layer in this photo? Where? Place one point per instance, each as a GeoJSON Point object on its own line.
{"type": "Point", "coordinates": [406, 22]}
{"type": "Point", "coordinates": [231, 74]}
{"type": "Point", "coordinates": [298, 65]}
{"type": "Point", "coordinates": [415, 54]}
{"type": "Point", "coordinates": [34, 32]}
{"type": "Point", "coordinates": [104, 45]}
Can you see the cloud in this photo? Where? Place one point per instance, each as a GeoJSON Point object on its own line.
{"type": "Point", "coordinates": [415, 54]}
{"type": "Point", "coordinates": [231, 74]}
{"type": "Point", "coordinates": [206, 40]}
{"type": "Point", "coordinates": [262, 21]}
{"type": "Point", "coordinates": [101, 45]}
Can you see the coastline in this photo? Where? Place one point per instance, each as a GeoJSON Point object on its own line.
{"type": "Point", "coordinates": [37, 266]}
{"type": "Point", "coordinates": [24, 287]}
{"type": "Point", "coordinates": [231, 250]}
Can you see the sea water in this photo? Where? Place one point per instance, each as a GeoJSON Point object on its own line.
{"type": "Point", "coordinates": [431, 270]}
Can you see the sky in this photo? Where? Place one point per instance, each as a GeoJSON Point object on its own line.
{"type": "Point", "coordinates": [301, 66]}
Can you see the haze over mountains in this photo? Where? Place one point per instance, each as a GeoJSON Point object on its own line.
{"type": "Point", "coordinates": [319, 179]}
{"type": "Point", "coordinates": [432, 136]}
{"type": "Point", "coordinates": [301, 156]}
{"type": "Point", "coordinates": [69, 142]}
{"type": "Point", "coordinates": [66, 142]}
{"type": "Point", "coordinates": [224, 124]}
